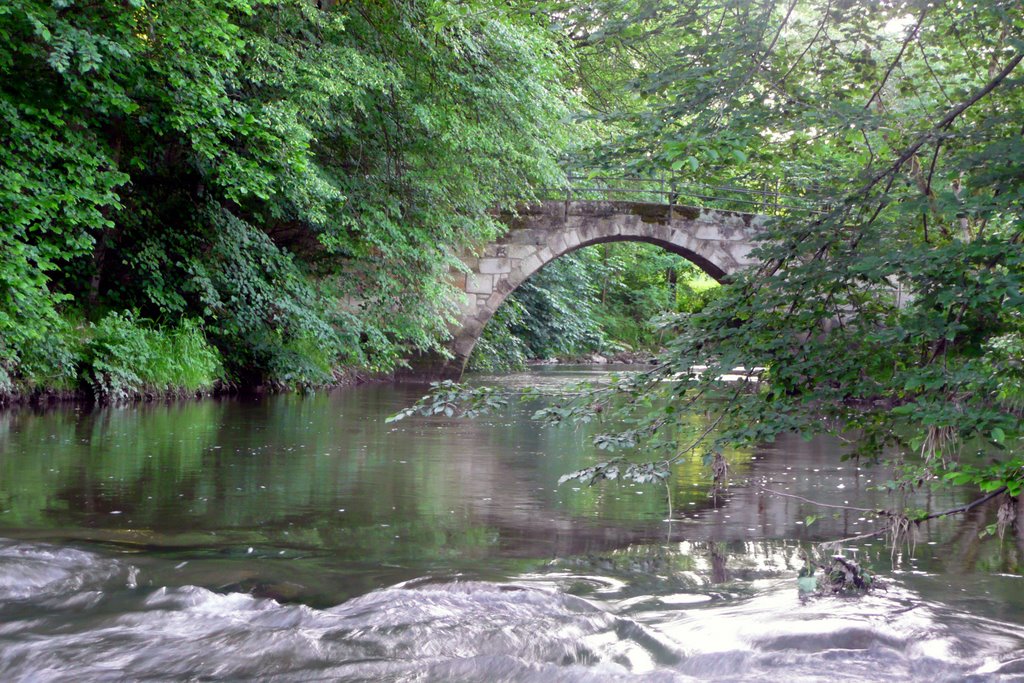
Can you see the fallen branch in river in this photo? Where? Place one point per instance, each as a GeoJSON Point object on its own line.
{"type": "Point", "coordinates": [888, 528]}
{"type": "Point", "coordinates": [820, 504]}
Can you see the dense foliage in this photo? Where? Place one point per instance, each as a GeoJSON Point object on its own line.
{"type": "Point", "coordinates": [887, 306]}
{"type": "Point", "coordinates": [293, 178]}
{"type": "Point", "coordinates": [605, 299]}
{"type": "Point", "coordinates": [893, 312]}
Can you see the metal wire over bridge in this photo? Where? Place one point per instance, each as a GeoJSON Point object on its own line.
{"type": "Point", "coordinates": [678, 190]}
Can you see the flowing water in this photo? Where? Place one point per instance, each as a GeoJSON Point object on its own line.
{"type": "Point", "coordinates": [302, 538]}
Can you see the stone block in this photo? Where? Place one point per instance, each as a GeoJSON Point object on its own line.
{"type": "Point", "coordinates": [520, 251]}
{"type": "Point", "coordinates": [504, 285]}
{"type": "Point", "coordinates": [720, 255]}
{"type": "Point", "coordinates": [662, 233]}
{"type": "Point", "coordinates": [463, 346]}
{"type": "Point", "coordinates": [741, 254]}
{"type": "Point", "coordinates": [629, 223]}
{"type": "Point", "coordinates": [682, 239]}
{"type": "Point", "coordinates": [756, 224]}
{"type": "Point", "coordinates": [467, 304]}
{"type": "Point", "coordinates": [708, 216]}
{"type": "Point", "coordinates": [490, 266]}
{"type": "Point", "coordinates": [735, 234]}
{"type": "Point", "coordinates": [480, 284]}
{"type": "Point", "coordinates": [473, 327]}
{"type": "Point", "coordinates": [708, 231]}
{"type": "Point", "coordinates": [549, 222]}
{"type": "Point", "coordinates": [685, 213]}
{"type": "Point", "coordinates": [527, 237]}
{"type": "Point", "coordinates": [531, 264]}
{"type": "Point", "coordinates": [587, 234]}
{"type": "Point", "coordinates": [705, 248]}
{"type": "Point", "coordinates": [611, 228]}
{"type": "Point", "coordinates": [493, 302]}
{"type": "Point", "coordinates": [685, 225]}
{"type": "Point", "coordinates": [553, 209]}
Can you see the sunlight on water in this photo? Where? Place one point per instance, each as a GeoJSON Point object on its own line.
{"type": "Point", "coordinates": [69, 612]}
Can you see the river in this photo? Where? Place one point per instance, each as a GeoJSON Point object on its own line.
{"type": "Point", "coordinates": [303, 538]}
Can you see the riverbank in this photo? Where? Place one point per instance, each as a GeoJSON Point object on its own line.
{"type": "Point", "coordinates": [122, 358]}
{"type": "Point", "coordinates": [110, 385]}
{"type": "Point", "coordinates": [619, 358]}
{"type": "Point", "coordinates": [121, 374]}
{"type": "Point", "coordinates": [53, 397]}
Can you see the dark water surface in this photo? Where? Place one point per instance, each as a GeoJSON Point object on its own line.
{"type": "Point", "coordinates": [302, 538]}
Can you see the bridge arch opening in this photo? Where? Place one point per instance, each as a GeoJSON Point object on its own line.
{"type": "Point", "coordinates": [595, 301]}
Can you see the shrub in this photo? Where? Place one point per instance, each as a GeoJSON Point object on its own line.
{"type": "Point", "coordinates": [499, 348]}
{"type": "Point", "coordinates": [45, 356]}
{"type": "Point", "coordinates": [694, 294]}
{"type": "Point", "coordinates": [127, 360]}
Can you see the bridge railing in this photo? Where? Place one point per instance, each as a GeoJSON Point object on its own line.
{"type": "Point", "coordinates": [681, 191]}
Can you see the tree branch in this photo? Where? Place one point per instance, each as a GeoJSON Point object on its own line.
{"type": "Point", "coordinates": [963, 508]}
{"type": "Point", "coordinates": [821, 28]}
{"type": "Point", "coordinates": [944, 122]}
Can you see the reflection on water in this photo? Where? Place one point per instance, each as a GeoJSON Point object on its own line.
{"type": "Point", "coordinates": [303, 537]}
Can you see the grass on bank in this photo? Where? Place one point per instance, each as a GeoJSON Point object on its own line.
{"type": "Point", "coordinates": [119, 358]}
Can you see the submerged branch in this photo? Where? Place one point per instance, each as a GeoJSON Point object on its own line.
{"type": "Point", "coordinates": [888, 527]}
{"type": "Point", "coordinates": [963, 508]}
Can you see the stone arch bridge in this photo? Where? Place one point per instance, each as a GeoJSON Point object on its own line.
{"type": "Point", "coordinates": [719, 242]}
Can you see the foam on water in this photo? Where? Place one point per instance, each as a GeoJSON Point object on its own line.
{"type": "Point", "coordinates": [70, 614]}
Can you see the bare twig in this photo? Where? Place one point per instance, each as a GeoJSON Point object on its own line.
{"type": "Point", "coordinates": [896, 61]}
{"type": "Point", "coordinates": [820, 504]}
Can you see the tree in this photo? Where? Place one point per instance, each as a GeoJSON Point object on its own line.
{"type": "Point", "coordinates": [889, 308]}
{"type": "Point", "coordinates": [893, 310]}
{"type": "Point", "coordinates": [295, 178]}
